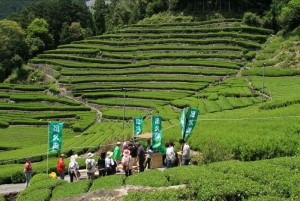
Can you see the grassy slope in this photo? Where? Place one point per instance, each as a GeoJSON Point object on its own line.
{"type": "Point", "coordinates": [280, 55]}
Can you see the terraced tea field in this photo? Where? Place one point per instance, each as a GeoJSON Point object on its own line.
{"type": "Point", "coordinates": [180, 65]}
{"type": "Point", "coordinates": [159, 69]}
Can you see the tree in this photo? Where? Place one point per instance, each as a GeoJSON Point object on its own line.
{"type": "Point", "coordinates": [38, 37]}
{"type": "Point", "coordinates": [56, 13]}
{"type": "Point", "coordinates": [289, 17]}
{"type": "Point", "coordinates": [71, 33]}
{"type": "Point", "coordinates": [99, 16]}
{"type": "Point", "coordinates": [13, 49]}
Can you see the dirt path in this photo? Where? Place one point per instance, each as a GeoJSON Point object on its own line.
{"type": "Point", "coordinates": [49, 72]}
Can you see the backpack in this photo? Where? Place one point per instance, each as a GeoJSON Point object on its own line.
{"type": "Point", "coordinates": [89, 165]}
{"type": "Point", "coordinates": [72, 169]}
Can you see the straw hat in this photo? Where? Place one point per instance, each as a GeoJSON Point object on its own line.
{"type": "Point", "coordinates": [90, 155]}
{"type": "Point", "coordinates": [126, 152]}
{"type": "Point", "coordinates": [109, 154]}
{"type": "Point", "coordinates": [118, 143]}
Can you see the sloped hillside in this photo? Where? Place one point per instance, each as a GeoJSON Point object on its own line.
{"type": "Point", "coordinates": [280, 55]}
{"type": "Point", "coordinates": [161, 68]}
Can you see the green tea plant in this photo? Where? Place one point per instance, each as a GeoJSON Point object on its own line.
{"type": "Point", "coordinates": [67, 190]}
{"type": "Point", "coordinates": [153, 178]}
{"type": "Point", "coordinates": [108, 182]}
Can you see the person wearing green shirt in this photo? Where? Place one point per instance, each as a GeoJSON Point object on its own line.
{"type": "Point", "coordinates": [117, 152]}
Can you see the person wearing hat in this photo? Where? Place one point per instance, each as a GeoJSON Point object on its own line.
{"type": "Point", "coordinates": [117, 152]}
{"type": "Point", "coordinates": [61, 167]}
{"type": "Point", "coordinates": [90, 164]}
{"type": "Point", "coordinates": [27, 171]}
{"type": "Point", "coordinates": [126, 162]}
{"type": "Point", "coordinates": [109, 163]}
{"type": "Point", "coordinates": [73, 168]}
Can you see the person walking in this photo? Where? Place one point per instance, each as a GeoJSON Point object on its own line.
{"type": "Point", "coordinates": [126, 162]}
{"type": "Point", "coordinates": [101, 165]}
{"type": "Point", "coordinates": [90, 166]}
{"type": "Point", "coordinates": [149, 156]}
{"type": "Point", "coordinates": [61, 167]}
{"type": "Point", "coordinates": [186, 152]}
{"type": "Point", "coordinates": [117, 153]}
{"type": "Point", "coordinates": [73, 168]}
{"type": "Point", "coordinates": [109, 163]}
{"type": "Point", "coordinates": [175, 162]}
{"type": "Point", "coordinates": [170, 155]}
{"type": "Point", "coordinates": [133, 153]}
{"type": "Point", "coordinates": [27, 171]}
{"type": "Point", "coordinates": [140, 156]}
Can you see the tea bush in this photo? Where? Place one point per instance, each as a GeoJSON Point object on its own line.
{"type": "Point", "coordinates": [67, 190]}
{"type": "Point", "coordinates": [38, 194]}
{"type": "Point", "coordinates": [153, 178]}
{"type": "Point", "coordinates": [108, 182]}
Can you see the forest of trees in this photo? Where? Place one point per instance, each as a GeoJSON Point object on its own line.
{"type": "Point", "coordinates": [45, 24]}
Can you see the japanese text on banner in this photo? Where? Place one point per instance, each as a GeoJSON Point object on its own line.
{"type": "Point", "coordinates": [156, 131]}
{"type": "Point", "coordinates": [55, 136]}
{"type": "Point", "coordinates": [137, 125]}
{"type": "Point", "coordinates": [191, 122]}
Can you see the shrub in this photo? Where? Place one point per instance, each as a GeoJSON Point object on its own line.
{"type": "Point", "coordinates": [18, 177]}
{"type": "Point", "coordinates": [153, 178]}
{"type": "Point", "coordinates": [39, 177]}
{"type": "Point", "coordinates": [40, 194]}
{"type": "Point", "coordinates": [107, 182]}
{"type": "Point", "coordinates": [252, 19]}
{"type": "Point", "coordinates": [250, 55]}
{"type": "Point", "coordinates": [71, 189]}
{"type": "Point", "coordinates": [168, 194]}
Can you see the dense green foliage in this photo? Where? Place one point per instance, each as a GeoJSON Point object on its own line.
{"type": "Point", "coordinates": [158, 69]}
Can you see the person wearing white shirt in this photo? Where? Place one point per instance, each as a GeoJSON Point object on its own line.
{"type": "Point", "coordinates": [90, 166]}
{"type": "Point", "coordinates": [109, 163]}
{"type": "Point", "coordinates": [186, 152]}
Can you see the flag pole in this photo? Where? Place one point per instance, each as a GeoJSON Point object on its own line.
{"type": "Point", "coordinates": [48, 148]}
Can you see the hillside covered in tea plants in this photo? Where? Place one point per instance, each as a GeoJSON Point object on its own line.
{"type": "Point", "coordinates": [243, 78]}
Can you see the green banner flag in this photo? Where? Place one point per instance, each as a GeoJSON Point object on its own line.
{"type": "Point", "coordinates": [156, 131]}
{"type": "Point", "coordinates": [55, 136]}
{"type": "Point", "coordinates": [137, 125]}
{"type": "Point", "coordinates": [183, 123]}
{"type": "Point", "coordinates": [191, 122]}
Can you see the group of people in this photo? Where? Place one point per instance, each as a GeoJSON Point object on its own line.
{"type": "Point", "coordinates": [131, 154]}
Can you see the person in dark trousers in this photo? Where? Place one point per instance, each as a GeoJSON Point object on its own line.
{"type": "Point", "coordinates": [101, 165]}
{"type": "Point", "coordinates": [126, 162]}
{"type": "Point", "coordinates": [186, 152]}
{"type": "Point", "coordinates": [149, 156]}
{"type": "Point", "coordinates": [109, 163]}
{"type": "Point", "coordinates": [140, 156]}
{"type": "Point", "coordinates": [61, 167]}
{"type": "Point", "coordinates": [27, 171]}
{"type": "Point", "coordinates": [133, 153]}
{"type": "Point", "coordinates": [73, 168]}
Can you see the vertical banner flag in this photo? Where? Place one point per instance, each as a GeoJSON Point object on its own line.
{"type": "Point", "coordinates": [183, 123]}
{"type": "Point", "coordinates": [191, 122]}
{"type": "Point", "coordinates": [156, 131]}
{"type": "Point", "coordinates": [55, 136]}
{"type": "Point", "coordinates": [137, 125]}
